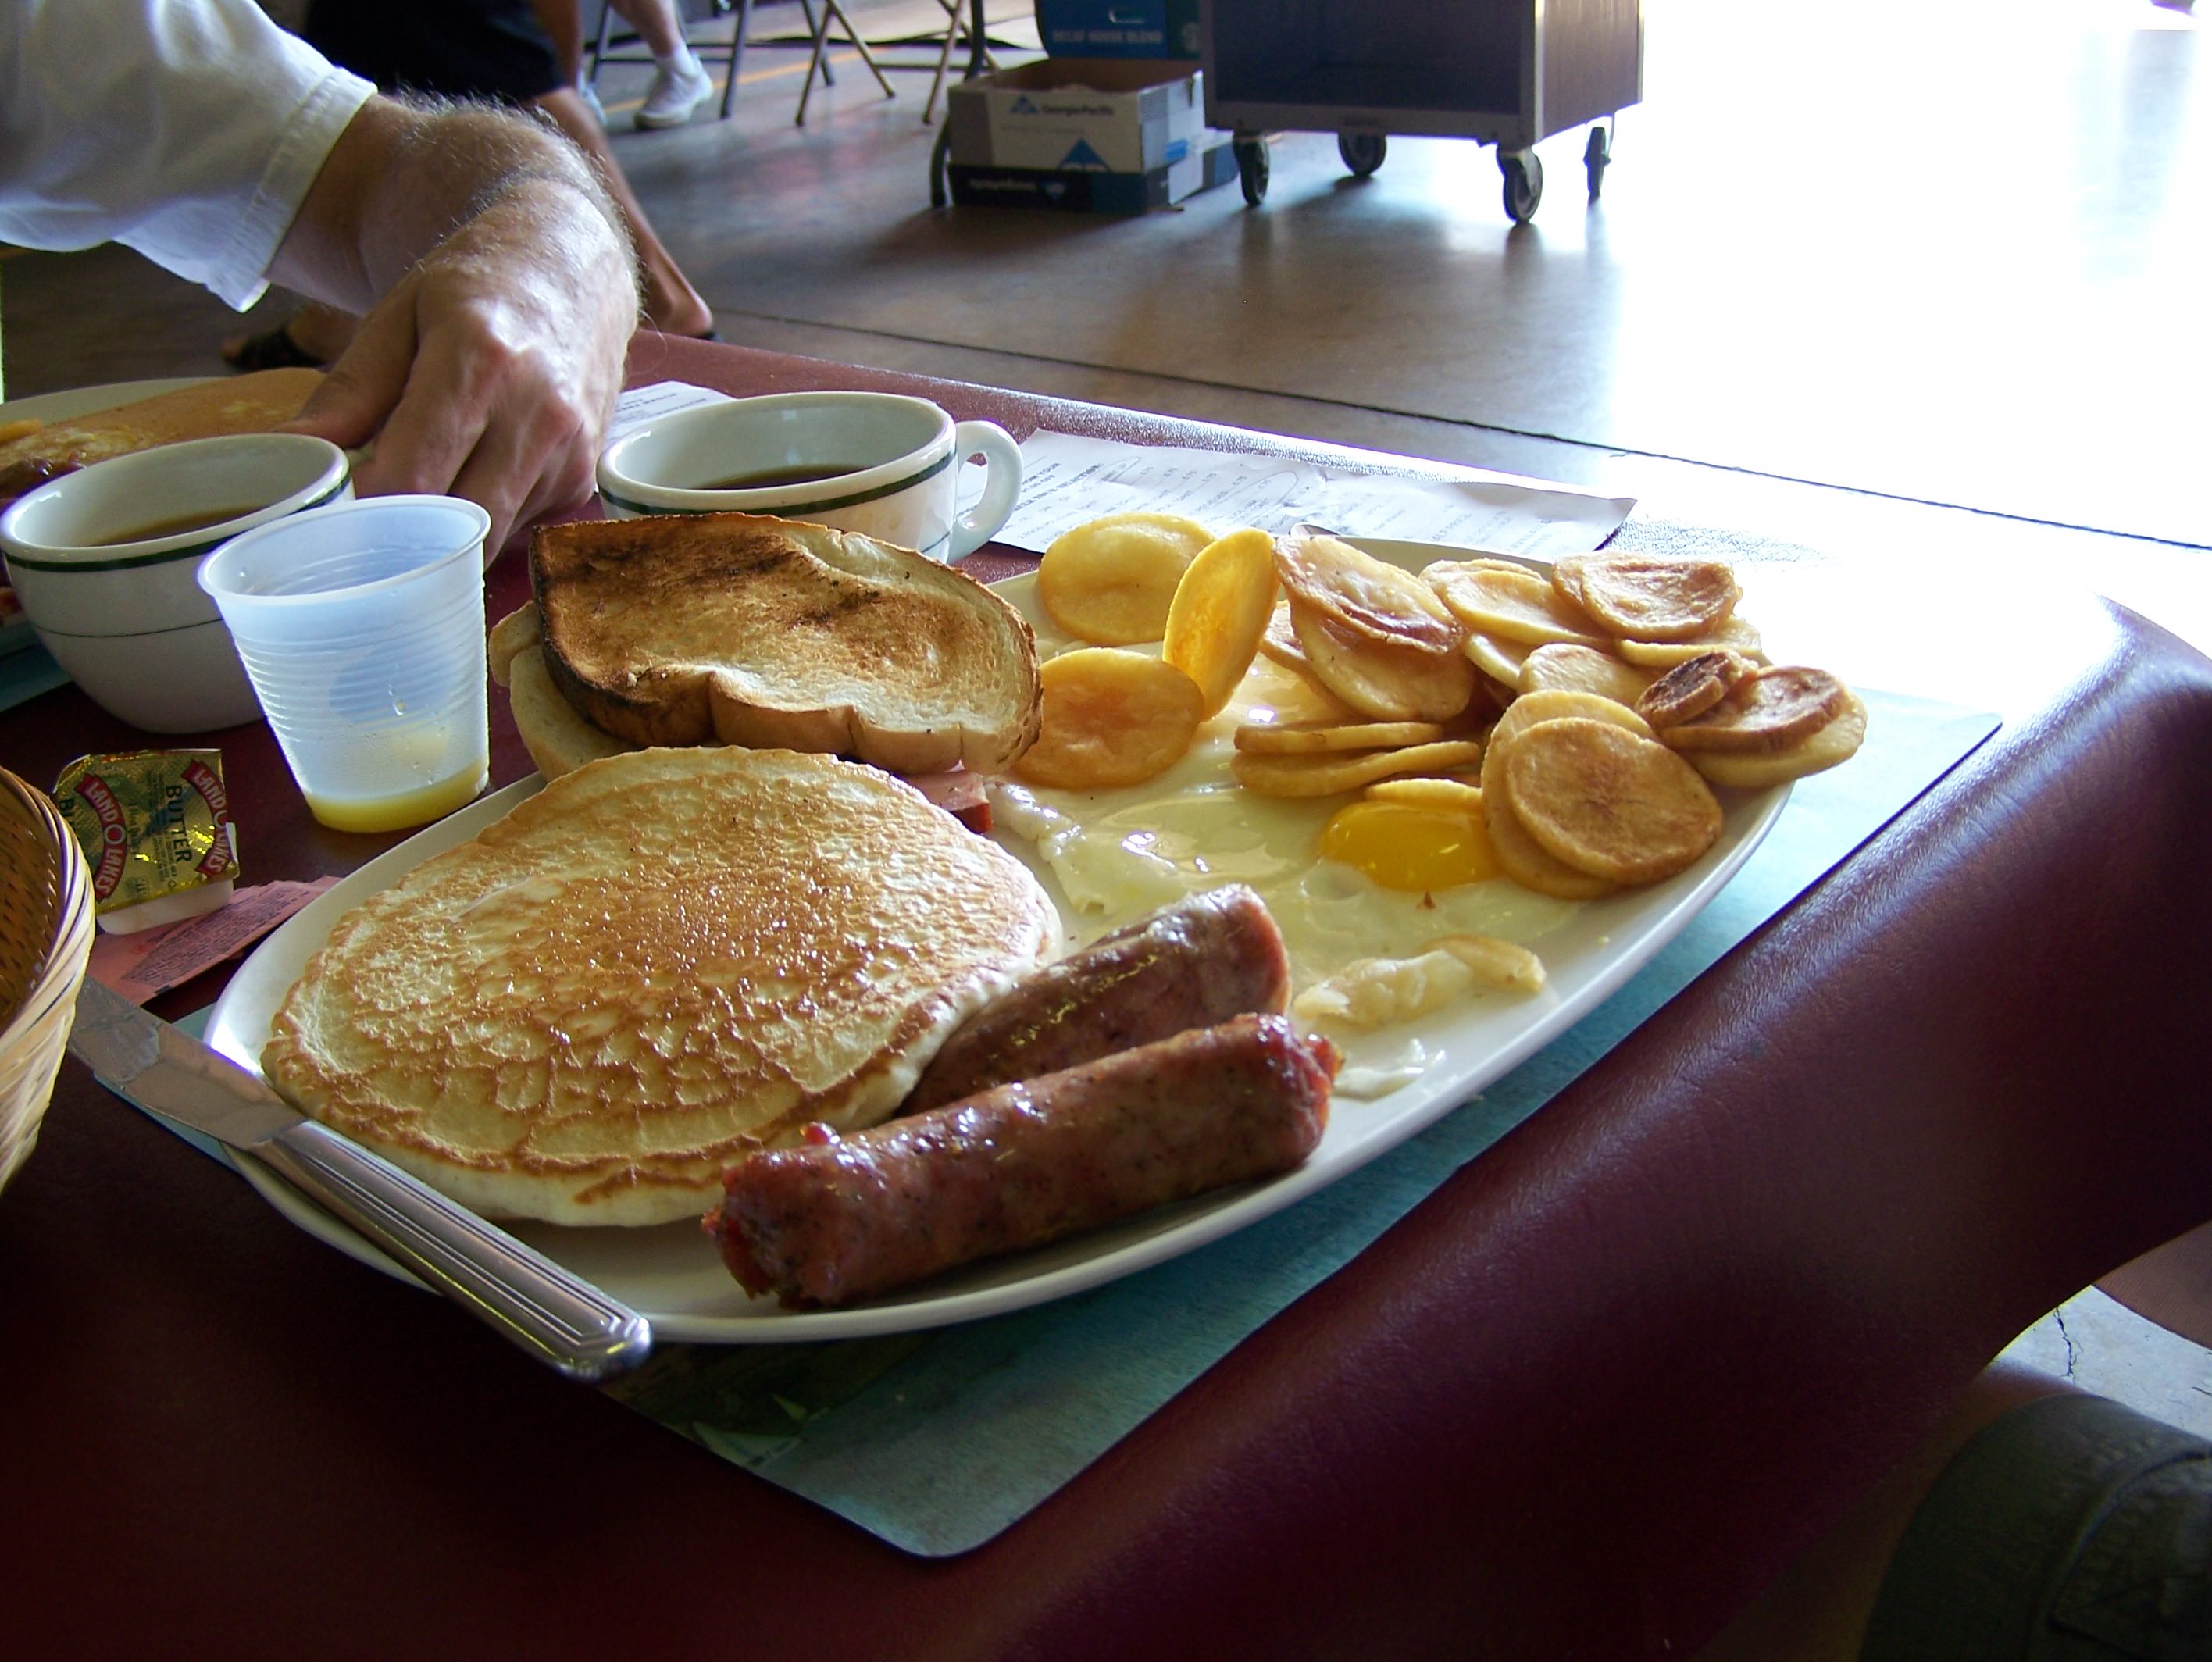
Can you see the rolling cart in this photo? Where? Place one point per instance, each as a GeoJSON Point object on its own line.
{"type": "Point", "coordinates": [1502, 72]}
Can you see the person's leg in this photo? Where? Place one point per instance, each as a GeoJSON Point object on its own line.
{"type": "Point", "coordinates": [314, 336]}
{"type": "Point", "coordinates": [2037, 1523]}
{"type": "Point", "coordinates": [1817, 1610]}
{"type": "Point", "coordinates": [656, 23]}
{"type": "Point", "coordinates": [680, 82]}
{"type": "Point", "coordinates": [563, 20]}
{"type": "Point", "coordinates": [564, 23]}
{"type": "Point", "coordinates": [671, 302]}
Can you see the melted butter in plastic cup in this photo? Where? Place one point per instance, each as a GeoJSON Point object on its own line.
{"type": "Point", "coordinates": [362, 629]}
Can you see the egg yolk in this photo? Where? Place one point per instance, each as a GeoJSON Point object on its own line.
{"type": "Point", "coordinates": [1408, 846]}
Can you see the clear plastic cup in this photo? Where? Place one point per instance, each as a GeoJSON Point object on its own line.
{"type": "Point", "coordinates": [362, 628]}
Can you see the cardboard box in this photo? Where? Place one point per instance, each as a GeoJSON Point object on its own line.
{"type": "Point", "coordinates": [1095, 193]}
{"type": "Point", "coordinates": [1120, 29]}
{"type": "Point", "coordinates": [1125, 134]}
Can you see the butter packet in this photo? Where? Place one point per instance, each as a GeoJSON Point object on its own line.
{"type": "Point", "coordinates": [156, 829]}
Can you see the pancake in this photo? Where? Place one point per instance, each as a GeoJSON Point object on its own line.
{"type": "Point", "coordinates": [664, 961]}
{"type": "Point", "coordinates": [237, 404]}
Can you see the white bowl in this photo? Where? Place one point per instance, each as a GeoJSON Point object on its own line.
{"type": "Point", "coordinates": [127, 618]}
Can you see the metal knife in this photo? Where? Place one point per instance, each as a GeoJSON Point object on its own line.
{"type": "Point", "coordinates": [553, 1314]}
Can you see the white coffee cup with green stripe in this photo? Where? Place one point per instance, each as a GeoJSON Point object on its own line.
{"type": "Point", "coordinates": [881, 463]}
{"type": "Point", "coordinates": [106, 561]}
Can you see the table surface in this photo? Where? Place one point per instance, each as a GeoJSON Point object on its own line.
{"type": "Point", "coordinates": [1585, 1399]}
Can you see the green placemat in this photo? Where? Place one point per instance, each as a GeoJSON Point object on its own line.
{"type": "Point", "coordinates": [936, 1441]}
{"type": "Point", "coordinates": [27, 672]}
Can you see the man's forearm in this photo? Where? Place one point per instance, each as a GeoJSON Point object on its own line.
{"type": "Point", "coordinates": [404, 178]}
{"type": "Point", "coordinates": [498, 293]}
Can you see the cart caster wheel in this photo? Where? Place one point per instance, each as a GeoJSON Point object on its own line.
{"type": "Point", "coordinates": [1524, 184]}
{"type": "Point", "coordinates": [940, 153]}
{"type": "Point", "coordinates": [1597, 156]}
{"type": "Point", "coordinates": [1252, 169]}
{"type": "Point", "coordinates": [1362, 152]}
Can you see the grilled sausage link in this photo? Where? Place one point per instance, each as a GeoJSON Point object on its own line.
{"type": "Point", "coordinates": [1189, 965]}
{"type": "Point", "coordinates": [826, 1223]}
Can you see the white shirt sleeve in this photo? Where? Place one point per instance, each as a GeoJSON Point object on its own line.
{"type": "Point", "coordinates": [190, 129]}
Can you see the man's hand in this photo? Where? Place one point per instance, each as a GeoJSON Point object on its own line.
{"type": "Point", "coordinates": [488, 367]}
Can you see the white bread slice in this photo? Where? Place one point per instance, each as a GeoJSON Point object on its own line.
{"type": "Point", "coordinates": [558, 739]}
{"type": "Point", "coordinates": [660, 962]}
{"type": "Point", "coordinates": [694, 629]}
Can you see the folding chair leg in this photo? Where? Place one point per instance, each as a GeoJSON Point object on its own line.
{"type": "Point", "coordinates": [599, 48]}
{"type": "Point", "coordinates": [860, 45]}
{"type": "Point", "coordinates": [807, 10]}
{"type": "Point", "coordinates": [815, 65]}
{"type": "Point", "coordinates": [834, 13]}
{"type": "Point", "coordinates": [737, 55]}
{"type": "Point", "coordinates": [944, 59]}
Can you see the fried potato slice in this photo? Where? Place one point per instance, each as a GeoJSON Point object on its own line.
{"type": "Point", "coordinates": [1365, 596]}
{"type": "Point", "coordinates": [1498, 659]}
{"type": "Point", "coordinates": [1387, 682]}
{"type": "Point", "coordinates": [1110, 716]}
{"type": "Point", "coordinates": [1768, 710]}
{"type": "Point", "coordinates": [1510, 603]}
{"type": "Point", "coordinates": [1649, 596]}
{"type": "Point", "coordinates": [1562, 667]}
{"type": "Point", "coordinates": [1554, 704]}
{"type": "Point", "coordinates": [1297, 739]}
{"type": "Point", "coordinates": [1492, 699]}
{"type": "Point", "coordinates": [1280, 642]}
{"type": "Point", "coordinates": [1837, 741]}
{"type": "Point", "coordinates": [1520, 856]}
{"type": "Point", "coordinates": [1327, 775]}
{"type": "Point", "coordinates": [1220, 611]}
{"type": "Point", "coordinates": [1111, 581]}
{"type": "Point", "coordinates": [1293, 696]}
{"type": "Point", "coordinates": [1735, 636]}
{"type": "Point", "coordinates": [1603, 801]}
{"type": "Point", "coordinates": [1377, 992]}
{"type": "Point", "coordinates": [1429, 791]}
{"type": "Point", "coordinates": [1692, 687]}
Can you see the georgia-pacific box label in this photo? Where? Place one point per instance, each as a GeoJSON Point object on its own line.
{"type": "Point", "coordinates": [1105, 115]}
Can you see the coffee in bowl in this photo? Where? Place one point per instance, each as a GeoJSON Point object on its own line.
{"type": "Point", "coordinates": [104, 561]}
{"type": "Point", "coordinates": [881, 463]}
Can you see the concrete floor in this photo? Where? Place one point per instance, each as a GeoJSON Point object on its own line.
{"type": "Point", "coordinates": [1913, 281]}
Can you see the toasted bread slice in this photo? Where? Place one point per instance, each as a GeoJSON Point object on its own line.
{"type": "Point", "coordinates": [236, 403]}
{"type": "Point", "coordinates": [691, 628]}
{"type": "Point", "coordinates": [660, 962]}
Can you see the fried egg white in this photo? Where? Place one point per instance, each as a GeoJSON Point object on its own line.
{"type": "Point", "coordinates": [1117, 855]}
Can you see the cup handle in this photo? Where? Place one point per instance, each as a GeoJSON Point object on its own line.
{"type": "Point", "coordinates": [1002, 483]}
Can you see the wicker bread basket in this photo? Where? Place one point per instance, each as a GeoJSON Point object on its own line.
{"type": "Point", "coordinates": [46, 936]}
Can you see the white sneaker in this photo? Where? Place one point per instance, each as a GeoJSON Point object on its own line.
{"type": "Point", "coordinates": [676, 93]}
{"type": "Point", "coordinates": [591, 98]}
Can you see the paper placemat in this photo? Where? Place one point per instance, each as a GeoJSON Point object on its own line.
{"type": "Point", "coordinates": [936, 1441]}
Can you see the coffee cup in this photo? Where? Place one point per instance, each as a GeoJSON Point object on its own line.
{"type": "Point", "coordinates": [881, 463]}
{"type": "Point", "coordinates": [104, 561]}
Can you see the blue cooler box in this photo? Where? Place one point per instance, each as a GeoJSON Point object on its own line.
{"type": "Point", "coordinates": [1120, 29]}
